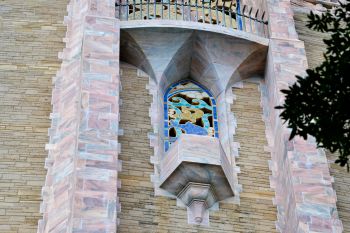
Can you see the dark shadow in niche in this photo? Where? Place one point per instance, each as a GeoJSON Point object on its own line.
{"type": "Point", "coordinates": [130, 52]}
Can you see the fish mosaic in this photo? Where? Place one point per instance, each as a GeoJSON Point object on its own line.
{"type": "Point", "coordinates": [189, 109]}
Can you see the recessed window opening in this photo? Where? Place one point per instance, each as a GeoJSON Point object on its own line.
{"type": "Point", "coordinates": [189, 108]}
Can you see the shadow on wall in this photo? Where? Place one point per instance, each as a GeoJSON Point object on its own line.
{"type": "Point", "coordinates": [212, 59]}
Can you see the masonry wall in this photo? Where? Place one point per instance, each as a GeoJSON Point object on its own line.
{"type": "Point", "coordinates": [342, 188]}
{"type": "Point", "coordinates": [315, 47]}
{"type": "Point", "coordinates": [141, 211]}
{"type": "Point", "coordinates": [31, 35]}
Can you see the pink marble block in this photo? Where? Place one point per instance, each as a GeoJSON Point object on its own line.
{"type": "Point", "coordinates": [80, 193]}
{"type": "Point", "coordinates": [103, 8]}
{"type": "Point", "coordinates": [305, 199]}
{"type": "Point", "coordinates": [100, 134]}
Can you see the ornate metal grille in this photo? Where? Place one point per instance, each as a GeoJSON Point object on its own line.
{"type": "Point", "coordinates": [218, 12]}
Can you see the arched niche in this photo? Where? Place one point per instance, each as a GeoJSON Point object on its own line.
{"type": "Point", "coordinates": [189, 108]}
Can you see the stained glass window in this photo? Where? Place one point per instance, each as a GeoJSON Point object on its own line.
{"type": "Point", "coordinates": [188, 109]}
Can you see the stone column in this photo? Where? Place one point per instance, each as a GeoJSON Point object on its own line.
{"type": "Point", "coordinates": [305, 199]}
{"type": "Point", "coordinates": [80, 192]}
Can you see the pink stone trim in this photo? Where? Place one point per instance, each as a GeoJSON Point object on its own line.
{"type": "Point", "coordinates": [80, 192]}
{"type": "Point", "coordinates": [305, 199]}
{"type": "Point", "coordinates": [227, 127]}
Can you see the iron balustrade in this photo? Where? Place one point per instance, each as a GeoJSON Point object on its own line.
{"type": "Point", "coordinates": [218, 12]}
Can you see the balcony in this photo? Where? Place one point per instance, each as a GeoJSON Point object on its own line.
{"type": "Point", "coordinates": [221, 13]}
{"type": "Point", "coordinates": [197, 171]}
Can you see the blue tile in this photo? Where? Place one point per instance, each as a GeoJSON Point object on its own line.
{"type": "Point", "coordinates": [216, 127]}
{"type": "Point", "coordinates": [188, 127]}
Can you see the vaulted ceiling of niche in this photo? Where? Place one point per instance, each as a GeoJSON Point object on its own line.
{"type": "Point", "coordinates": [171, 54]}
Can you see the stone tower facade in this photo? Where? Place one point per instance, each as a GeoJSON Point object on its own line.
{"type": "Point", "coordinates": [162, 119]}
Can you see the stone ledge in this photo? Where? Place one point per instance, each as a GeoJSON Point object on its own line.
{"type": "Point", "coordinates": [196, 170]}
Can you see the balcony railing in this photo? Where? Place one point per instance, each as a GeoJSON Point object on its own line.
{"type": "Point", "coordinates": [216, 12]}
